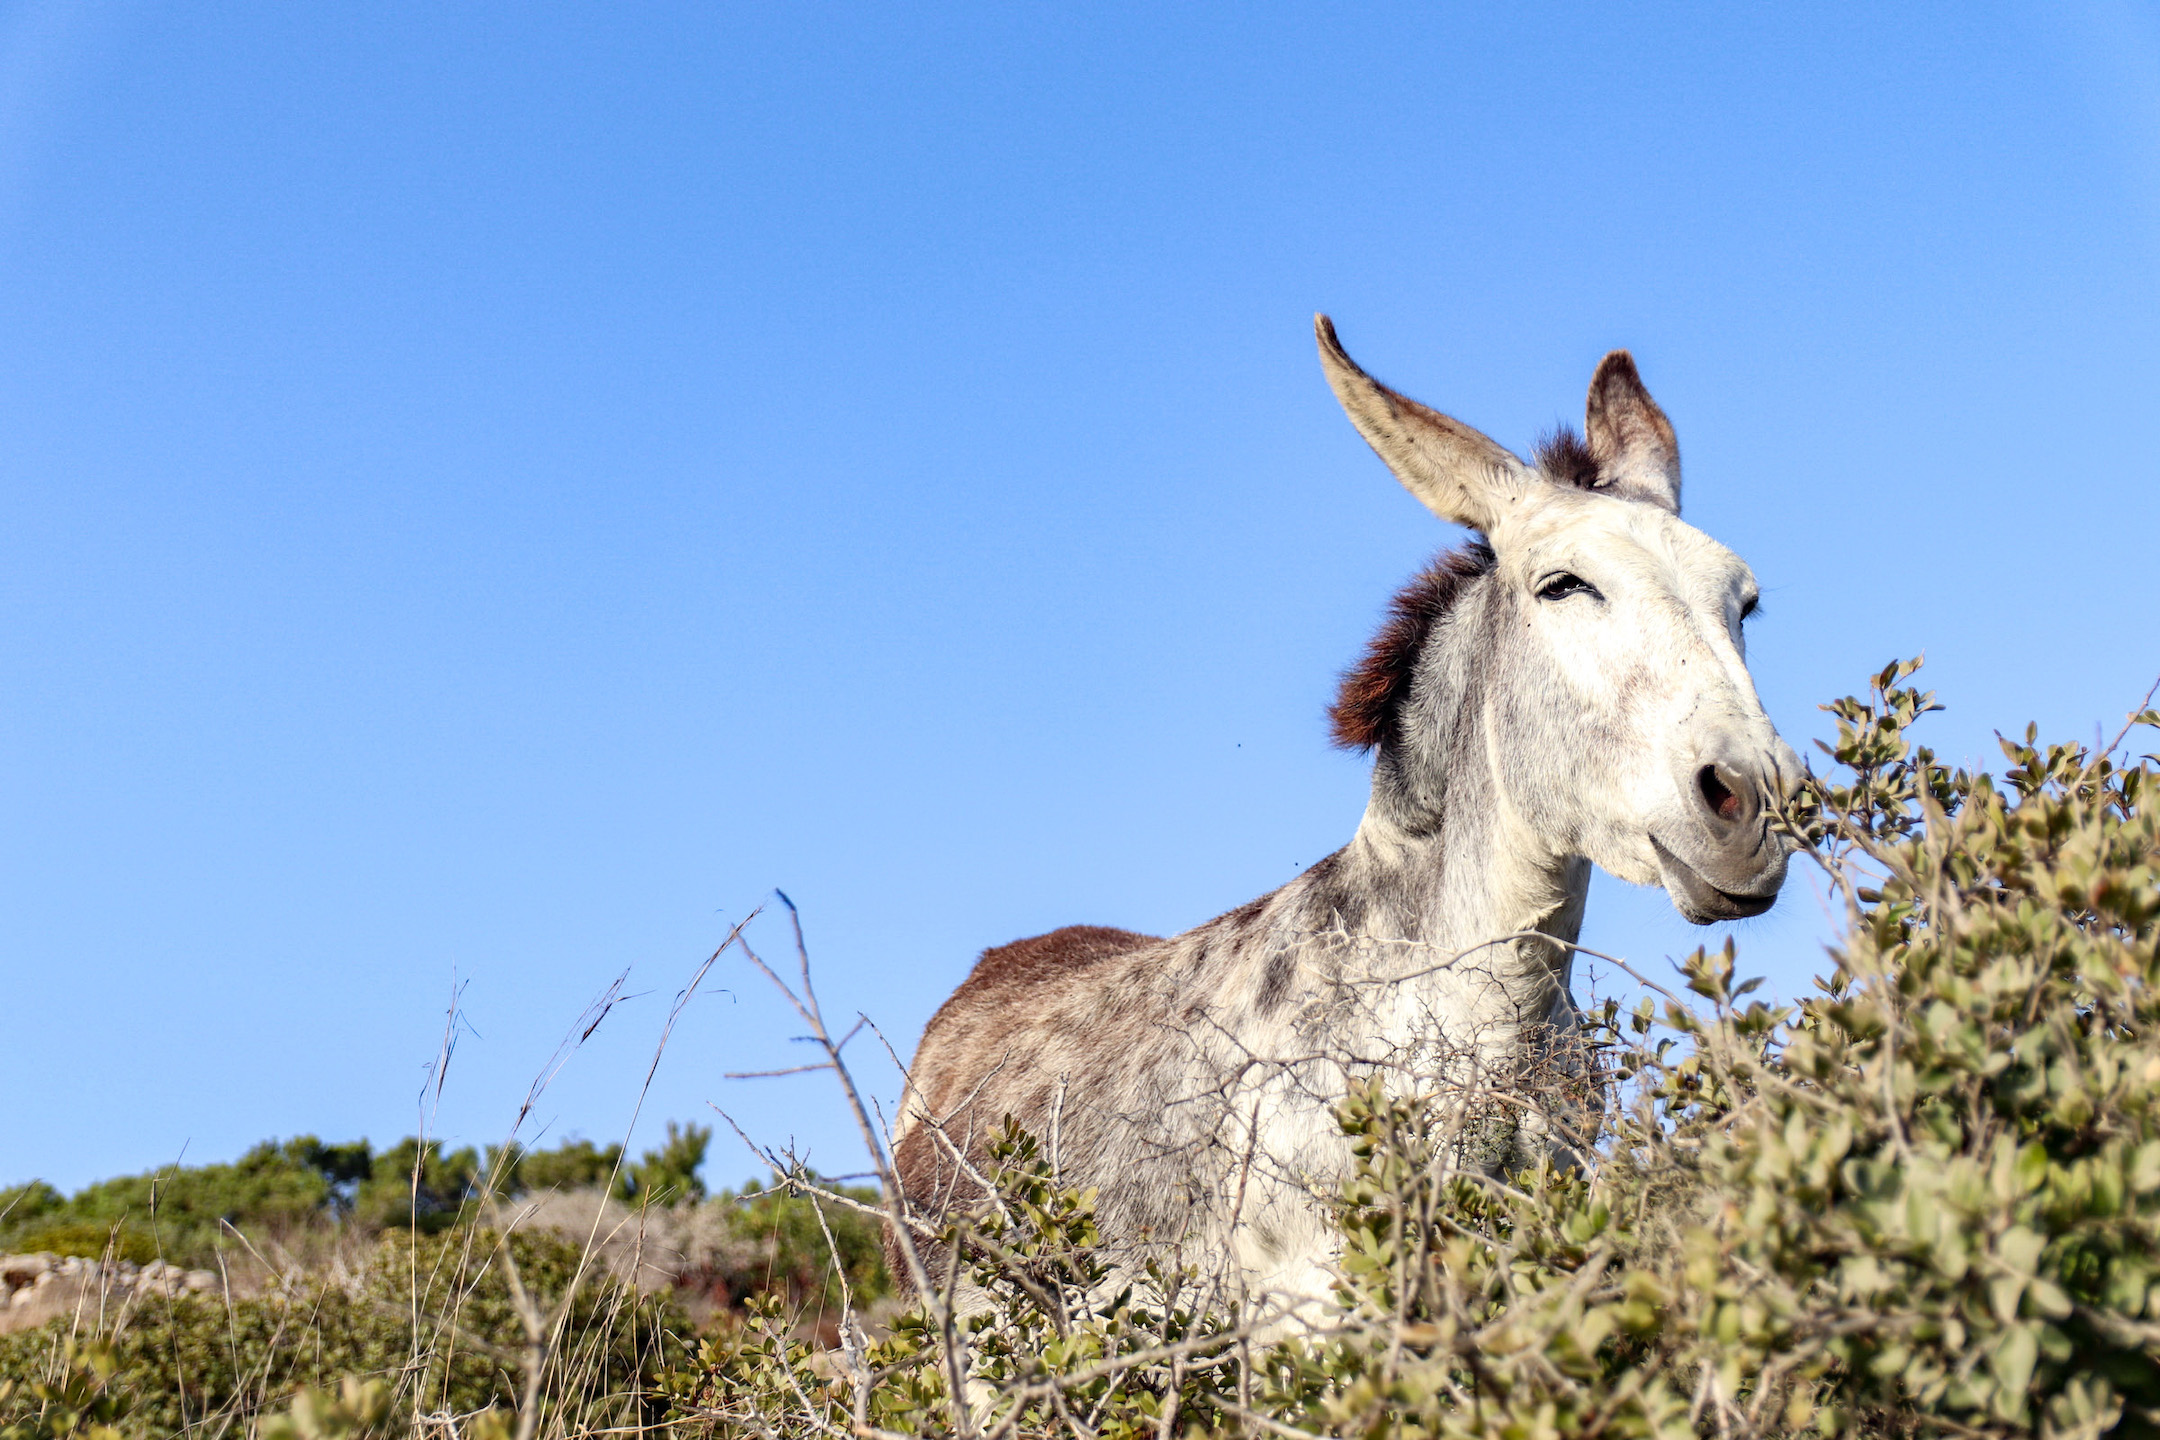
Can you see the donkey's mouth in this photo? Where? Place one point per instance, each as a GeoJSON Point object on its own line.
{"type": "Point", "coordinates": [1704, 903]}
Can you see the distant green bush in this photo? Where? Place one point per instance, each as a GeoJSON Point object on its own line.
{"type": "Point", "coordinates": [21, 1205]}
{"type": "Point", "coordinates": [571, 1165]}
{"type": "Point", "coordinates": [415, 1185]}
{"type": "Point", "coordinates": [667, 1175]}
{"type": "Point", "coordinates": [283, 1189]}
{"type": "Point", "coordinates": [93, 1242]}
{"type": "Point", "coordinates": [182, 1211]}
{"type": "Point", "coordinates": [432, 1313]}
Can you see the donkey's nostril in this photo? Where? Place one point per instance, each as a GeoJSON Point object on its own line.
{"type": "Point", "coordinates": [1717, 795]}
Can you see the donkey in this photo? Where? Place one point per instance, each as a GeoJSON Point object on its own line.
{"type": "Point", "coordinates": [1569, 689]}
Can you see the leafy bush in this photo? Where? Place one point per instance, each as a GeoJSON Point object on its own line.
{"type": "Point", "coordinates": [181, 1211]}
{"type": "Point", "coordinates": [22, 1204]}
{"type": "Point", "coordinates": [79, 1399]}
{"type": "Point", "coordinates": [1051, 1342]}
{"type": "Point", "coordinates": [418, 1185]}
{"type": "Point", "coordinates": [361, 1408]}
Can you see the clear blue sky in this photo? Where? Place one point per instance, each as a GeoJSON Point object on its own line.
{"type": "Point", "coordinates": [494, 490]}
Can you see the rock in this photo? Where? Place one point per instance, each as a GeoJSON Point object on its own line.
{"type": "Point", "coordinates": [54, 1295]}
{"type": "Point", "coordinates": [19, 1271]}
{"type": "Point", "coordinates": [202, 1281]}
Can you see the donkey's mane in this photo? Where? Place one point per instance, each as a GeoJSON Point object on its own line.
{"type": "Point", "coordinates": [1374, 690]}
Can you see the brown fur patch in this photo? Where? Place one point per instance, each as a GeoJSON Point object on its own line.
{"type": "Point", "coordinates": [1566, 459]}
{"type": "Point", "coordinates": [925, 1169]}
{"type": "Point", "coordinates": [1000, 995]}
{"type": "Point", "coordinates": [931, 1182]}
{"type": "Point", "coordinates": [1045, 957]}
{"type": "Point", "coordinates": [1370, 699]}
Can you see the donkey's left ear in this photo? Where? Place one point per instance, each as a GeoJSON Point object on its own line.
{"type": "Point", "coordinates": [1630, 438]}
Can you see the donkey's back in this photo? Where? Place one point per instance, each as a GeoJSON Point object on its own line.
{"type": "Point", "coordinates": [1006, 974]}
{"type": "Point", "coordinates": [971, 1038]}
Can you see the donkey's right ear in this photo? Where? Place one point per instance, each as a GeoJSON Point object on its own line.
{"type": "Point", "coordinates": [1460, 474]}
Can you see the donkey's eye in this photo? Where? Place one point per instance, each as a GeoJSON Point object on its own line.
{"type": "Point", "coordinates": [1750, 605]}
{"type": "Point", "coordinates": [1560, 586]}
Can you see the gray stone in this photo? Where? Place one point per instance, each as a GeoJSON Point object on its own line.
{"type": "Point", "coordinates": [20, 1270]}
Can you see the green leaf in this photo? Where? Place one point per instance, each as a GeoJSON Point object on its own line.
{"type": "Point", "coordinates": [2012, 1360]}
{"type": "Point", "coordinates": [2020, 1249]}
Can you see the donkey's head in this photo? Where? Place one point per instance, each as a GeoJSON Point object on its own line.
{"type": "Point", "coordinates": [1596, 635]}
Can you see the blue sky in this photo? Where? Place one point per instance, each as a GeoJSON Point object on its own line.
{"type": "Point", "coordinates": [489, 492]}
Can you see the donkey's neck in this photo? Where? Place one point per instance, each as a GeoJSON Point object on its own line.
{"type": "Point", "coordinates": [1442, 864]}
{"type": "Point", "coordinates": [1467, 883]}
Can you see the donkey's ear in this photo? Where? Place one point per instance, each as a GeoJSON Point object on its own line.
{"type": "Point", "coordinates": [1460, 475]}
{"type": "Point", "coordinates": [1630, 438]}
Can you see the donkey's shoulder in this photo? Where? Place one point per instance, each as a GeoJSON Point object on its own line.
{"type": "Point", "coordinates": [1011, 983]}
{"type": "Point", "coordinates": [1057, 955]}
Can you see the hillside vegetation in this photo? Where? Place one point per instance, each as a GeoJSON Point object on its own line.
{"type": "Point", "coordinates": [338, 1262]}
{"type": "Point", "coordinates": [302, 1192]}
{"type": "Point", "coordinates": [1922, 1200]}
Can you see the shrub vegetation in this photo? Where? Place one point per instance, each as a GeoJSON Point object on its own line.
{"type": "Point", "coordinates": [1922, 1200]}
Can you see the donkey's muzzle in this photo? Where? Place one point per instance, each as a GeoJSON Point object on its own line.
{"type": "Point", "coordinates": [1701, 900]}
{"type": "Point", "coordinates": [1725, 862]}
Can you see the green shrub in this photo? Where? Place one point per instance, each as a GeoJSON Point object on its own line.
{"type": "Point", "coordinates": [78, 1399]}
{"type": "Point", "coordinates": [572, 1165]}
{"type": "Point", "coordinates": [94, 1242]}
{"type": "Point", "coordinates": [360, 1408]}
{"type": "Point", "coordinates": [667, 1175]}
{"type": "Point", "coordinates": [416, 1185]}
{"type": "Point", "coordinates": [182, 1211]}
{"type": "Point", "coordinates": [1053, 1342]}
{"type": "Point", "coordinates": [23, 1204]}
